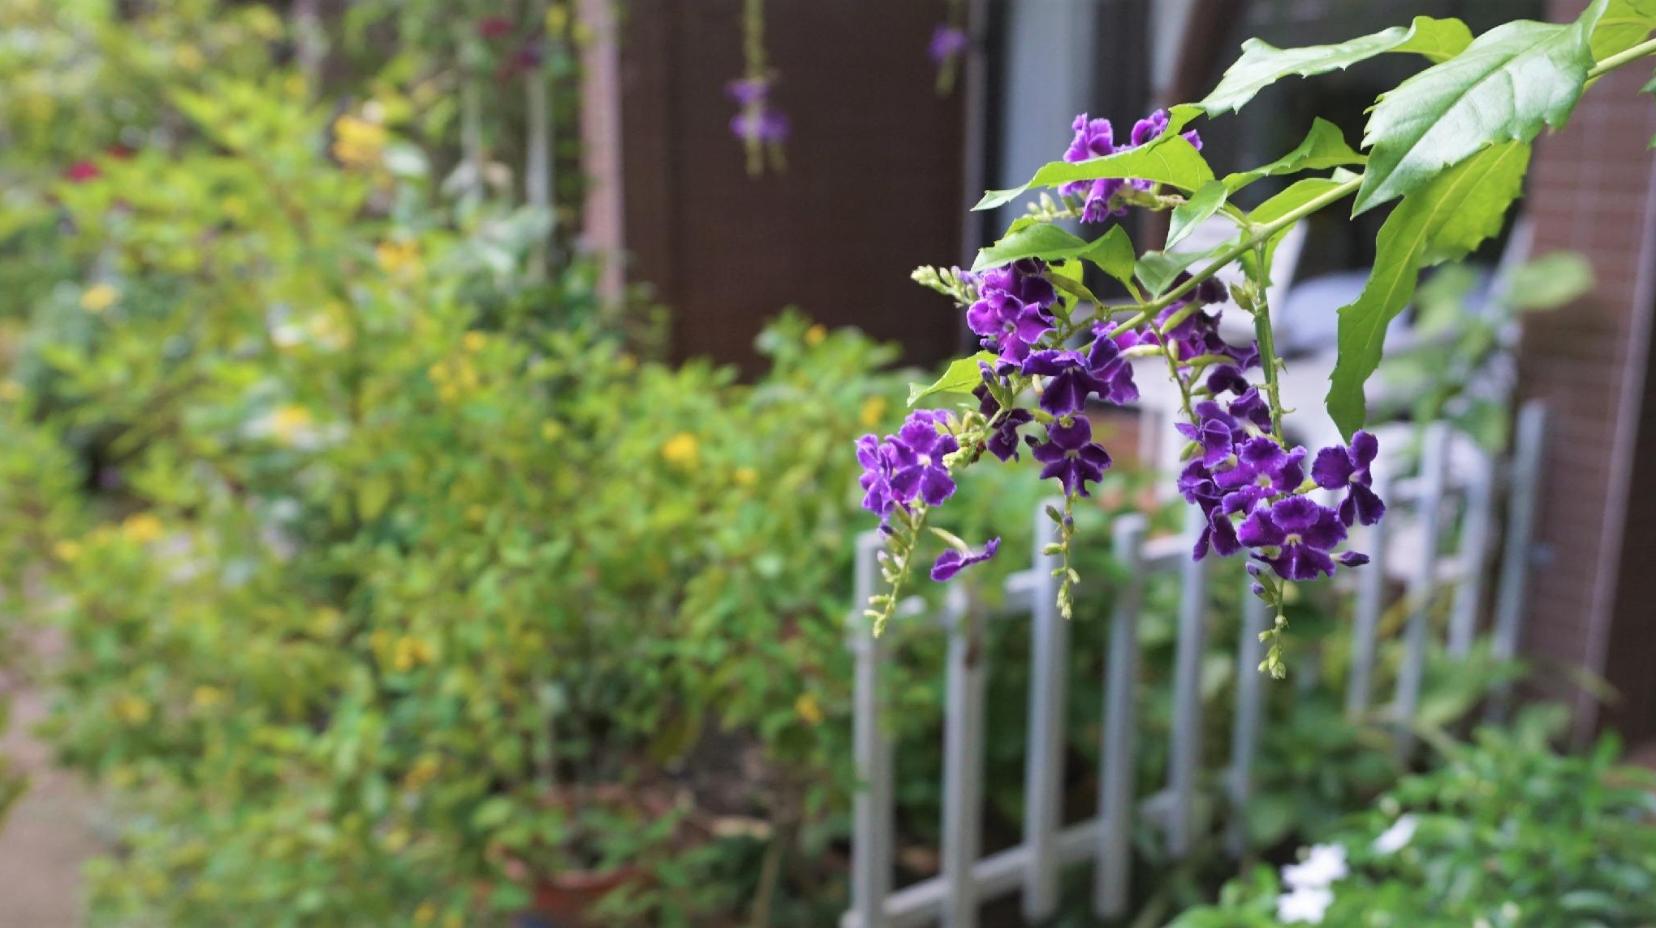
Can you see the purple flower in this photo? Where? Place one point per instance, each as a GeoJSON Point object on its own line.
{"type": "Point", "coordinates": [1348, 468]}
{"type": "Point", "coordinates": [1250, 408]}
{"type": "Point", "coordinates": [1071, 456]}
{"type": "Point", "coordinates": [1215, 430]}
{"type": "Point", "coordinates": [1300, 532]}
{"type": "Point", "coordinates": [1010, 313]}
{"type": "Point", "coordinates": [1095, 138]}
{"type": "Point", "coordinates": [1263, 469]}
{"type": "Point", "coordinates": [947, 41]}
{"type": "Point", "coordinates": [953, 561]}
{"type": "Point", "coordinates": [748, 91]}
{"type": "Point", "coordinates": [902, 468]}
{"type": "Point", "coordinates": [760, 124]}
{"type": "Point", "coordinates": [918, 469]}
{"type": "Point", "coordinates": [1073, 376]}
{"type": "Point", "coordinates": [1003, 441]}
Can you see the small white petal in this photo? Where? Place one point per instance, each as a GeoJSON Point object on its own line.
{"type": "Point", "coordinates": [1305, 905]}
{"type": "Point", "coordinates": [1396, 837]}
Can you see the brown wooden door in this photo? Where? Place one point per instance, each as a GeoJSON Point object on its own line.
{"type": "Point", "coordinates": [872, 187]}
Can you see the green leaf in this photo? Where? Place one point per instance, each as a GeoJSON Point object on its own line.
{"type": "Point", "coordinates": [1196, 210]}
{"type": "Point", "coordinates": [1323, 147]}
{"type": "Point", "coordinates": [1625, 24]}
{"type": "Point", "coordinates": [1263, 64]}
{"type": "Point", "coordinates": [963, 376]}
{"type": "Point", "coordinates": [1112, 251]}
{"type": "Point", "coordinates": [1510, 81]}
{"type": "Point", "coordinates": [1170, 160]}
{"type": "Point", "coordinates": [1158, 269]}
{"type": "Point", "coordinates": [1442, 220]}
{"type": "Point", "coordinates": [1550, 281]}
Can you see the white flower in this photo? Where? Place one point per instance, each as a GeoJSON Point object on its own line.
{"type": "Point", "coordinates": [1305, 904]}
{"type": "Point", "coordinates": [1323, 864]}
{"type": "Point", "coordinates": [1396, 837]}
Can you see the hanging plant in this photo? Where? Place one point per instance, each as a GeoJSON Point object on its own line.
{"type": "Point", "coordinates": [949, 43]}
{"type": "Point", "coordinates": [1449, 145]}
{"type": "Point", "coordinates": [761, 127]}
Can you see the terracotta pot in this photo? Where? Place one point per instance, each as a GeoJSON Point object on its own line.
{"type": "Point", "coordinates": [567, 899]}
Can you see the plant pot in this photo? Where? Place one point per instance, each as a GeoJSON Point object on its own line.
{"type": "Point", "coordinates": [566, 900]}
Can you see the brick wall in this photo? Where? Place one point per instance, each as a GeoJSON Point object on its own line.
{"type": "Point", "coordinates": [1591, 191]}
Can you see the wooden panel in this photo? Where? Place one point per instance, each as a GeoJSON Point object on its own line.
{"type": "Point", "coordinates": [872, 188]}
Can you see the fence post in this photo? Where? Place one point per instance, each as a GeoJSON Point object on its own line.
{"type": "Point", "coordinates": [1411, 671]}
{"type": "Point", "coordinates": [1474, 559]}
{"type": "Point", "coordinates": [1256, 618]}
{"type": "Point", "coordinates": [1184, 761]}
{"type": "Point", "coordinates": [1371, 599]}
{"type": "Point", "coordinates": [1043, 762]}
{"type": "Point", "coordinates": [1115, 785]}
{"type": "Point", "coordinates": [962, 759]}
{"type": "Point", "coordinates": [1515, 559]}
{"type": "Point", "coordinates": [872, 812]}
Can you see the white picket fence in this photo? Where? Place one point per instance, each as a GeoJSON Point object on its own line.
{"type": "Point", "coordinates": [968, 879]}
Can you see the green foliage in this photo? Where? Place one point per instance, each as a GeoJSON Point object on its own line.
{"type": "Point", "coordinates": [1263, 64]}
{"type": "Point", "coordinates": [1168, 160]}
{"type": "Point", "coordinates": [1505, 833]}
{"type": "Point", "coordinates": [1445, 220]}
{"type": "Point", "coordinates": [1506, 85]}
{"type": "Point", "coordinates": [1625, 23]}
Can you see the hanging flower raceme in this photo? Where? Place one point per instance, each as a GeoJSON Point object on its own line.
{"type": "Point", "coordinates": [759, 125]}
{"type": "Point", "coordinates": [1051, 355]}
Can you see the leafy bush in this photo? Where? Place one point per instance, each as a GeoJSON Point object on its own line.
{"type": "Point", "coordinates": [1507, 832]}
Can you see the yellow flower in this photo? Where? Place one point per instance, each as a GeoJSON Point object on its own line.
{"type": "Point", "coordinates": [551, 430]}
{"type": "Point", "coordinates": [358, 143]}
{"type": "Point", "coordinates": [808, 708]}
{"type": "Point", "coordinates": [188, 58]}
{"type": "Point", "coordinates": [745, 476]}
{"type": "Point", "coordinates": [411, 652]}
{"type": "Point", "coordinates": [814, 335]}
{"type": "Point", "coordinates": [426, 913]}
{"type": "Point", "coordinates": [681, 450]}
{"type": "Point", "coordinates": [625, 363]}
{"type": "Point", "coordinates": [476, 513]}
{"type": "Point", "coordinates": [422, 773]}
{"type": "Point", "coordinates": [289, 423]}
{"type": "Point", "coordinates": [474, 341]}
{"type": "Point", "coordinates": [66, 551]}
{"type": "Point", "coordinates": [873, 410]}
{"type": "Point", "coordinates": [99, 297]}
{"type": "Point", "coordinates": [206, 697]}
{"type": "Point", "coordinates": [142, 528]}
{"type": "Point", "coordinates": [325, 623]}
{"type": "Point", "coordinates": [10, 390]}
{"type": "Point", "coordinates": [398, 257]}
{"type": "Point", "coordinates": [131, 709]}
{"type": "Point", "coordinates": [395, 840]}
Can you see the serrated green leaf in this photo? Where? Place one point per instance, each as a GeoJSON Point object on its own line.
{"type": "Point", "coordinates": [1445, 219]}
{"type": "Point", "coordinates": [962, 376]}
{"type": "Point", "coordinates": [1170, 160]}
{"type": "Point", "coordinates": [1196, 210]}
{"type": "Point", "coordinates": [1625, 23]}
{"type": "Point", "coordinates": [1263, 64]}
{"type": "Point", "coordinates": [1323, 147]}
{"type": "Point", "coordinates": [1509, 83]}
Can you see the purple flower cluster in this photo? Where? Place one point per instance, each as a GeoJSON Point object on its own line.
{"type": "Point", "coordinates": [758, 121]}
{"type": "Point", "coordinates": [1239, 470]}
{"type": "Point", "coordinates": [1095, 138]}
{"type": "Point", "coordinates": [907, 467]}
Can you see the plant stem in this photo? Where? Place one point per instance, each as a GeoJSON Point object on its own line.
{"type": "Point", "coordinates": [1259, 234]}
{"type": "Point", "coordinates": [1266, 340]}
{"type": "Point", "coordinates": [1601, 68]}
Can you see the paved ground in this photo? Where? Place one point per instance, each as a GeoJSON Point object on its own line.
{"type": "Point", "coordinates": [48, 834]}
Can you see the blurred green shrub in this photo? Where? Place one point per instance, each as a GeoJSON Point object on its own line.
{"type": "Point", "coordinates": [1506, 833]}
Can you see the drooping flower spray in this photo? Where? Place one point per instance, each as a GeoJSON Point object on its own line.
{"type": "Point", "coordinates": [761, 127]}
{"type": "Point", "coordinates": [948, 46]}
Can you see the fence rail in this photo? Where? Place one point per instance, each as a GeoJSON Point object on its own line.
{"type": "Point", "coordinates": [967, 879]}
